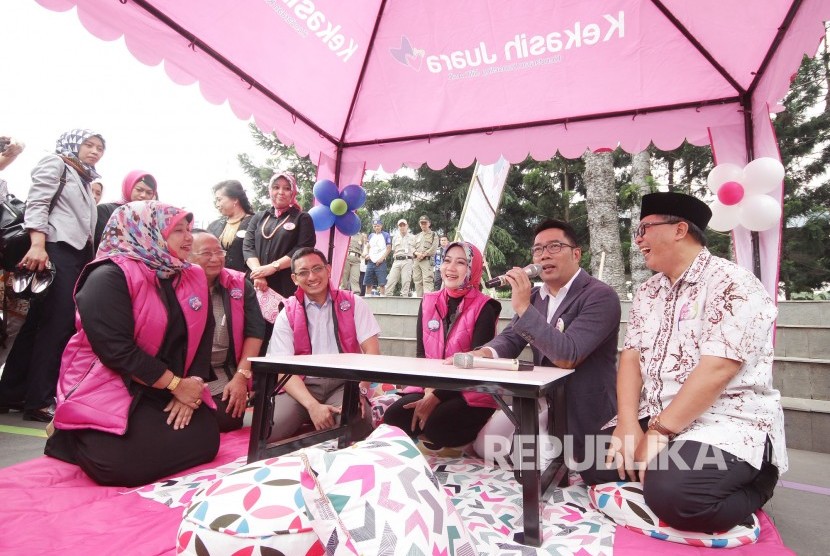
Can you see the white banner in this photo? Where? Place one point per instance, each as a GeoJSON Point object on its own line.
{"type": "Point", "coordinates": [482, 202]}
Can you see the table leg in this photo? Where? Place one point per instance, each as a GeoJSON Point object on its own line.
{"type": "Point", "coordinates": [526, 411]}
{"type": "Point", "coordinates": [349, 412]}
{"type": "Point", "coordinates": [559, 426]}
{"type": "Point", "coordinates": [263, 387]}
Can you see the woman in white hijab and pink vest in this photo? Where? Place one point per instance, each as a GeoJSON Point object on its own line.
{"type": "Point", "coordinates": [132, 394]}
{"type": "Point", "coordinates": [455, 319]}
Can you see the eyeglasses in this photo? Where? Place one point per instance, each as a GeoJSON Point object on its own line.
{"type": "Point", "coordinates": [553, 248]}
{"type": "Point", "coordinates": [209, 254]}
{"type": "Point", "coordinates": [641, 229]}
{"type": "Point", "coordinates": [304, 274]}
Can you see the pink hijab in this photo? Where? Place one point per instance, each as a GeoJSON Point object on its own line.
{"type": "Point", "coordinates": [292, 180]}
{"type": "Point", "coordinates": [475, 267]}
{"type": "Point", "coordinates": [133, 178]}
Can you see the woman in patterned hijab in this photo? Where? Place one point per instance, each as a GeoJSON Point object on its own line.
{"type": "Point", "coordinates": [142, 230]}
{"type": "Point", "coordinates": [132, 393]}
{"type": "Point", "coordinates": [68, 147]}
{"type": "Point", "coordinates": [60, 219]}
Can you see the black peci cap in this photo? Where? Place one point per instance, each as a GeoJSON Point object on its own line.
{"type": "Point", "coordinates": [677, 204]}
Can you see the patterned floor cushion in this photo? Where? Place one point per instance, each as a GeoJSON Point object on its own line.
{"type": "Point", "coordinates": [257, 510]}
{"type": "Point", "coordinates": [380, 404]}
{"type": "Point", "coordinates": [380, 497]}
{"type": "Point", "coordinates": [624, 504]}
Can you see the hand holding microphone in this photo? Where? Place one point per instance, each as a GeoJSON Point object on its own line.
{"type": "Point", "coordinates": [532, 271]}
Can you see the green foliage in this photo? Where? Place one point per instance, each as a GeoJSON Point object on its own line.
{"type": "Point", "coordinates": [803, 134]}
{"type": "Point", "coordinates": [684, 169]}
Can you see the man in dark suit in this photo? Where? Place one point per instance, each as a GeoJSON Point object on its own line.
{"type": "Point", "coordinates": [572, 322]}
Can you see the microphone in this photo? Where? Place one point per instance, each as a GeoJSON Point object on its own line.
{"type": "Point", "coordinates": [467, 361]}
{"type": "Point", "coordinates": [532, 271]}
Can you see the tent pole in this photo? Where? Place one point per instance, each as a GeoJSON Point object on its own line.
{"type": "Point", "coordinates": [337, 166]}
{"type": "Point", "coordinates": [749, 140]}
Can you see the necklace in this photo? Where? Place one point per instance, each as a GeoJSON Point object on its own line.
{"type": "Point", "coordinates": [277, 227]}
{"type": "Point", "coordinates": [237, 221]}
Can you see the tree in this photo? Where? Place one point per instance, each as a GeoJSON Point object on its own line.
{"type": "Point", "coordinates": [603, 219]}
{"type": "Point", "coordinates": [803, 134]}
{"type": "Point", "coordinates": [641, 184]}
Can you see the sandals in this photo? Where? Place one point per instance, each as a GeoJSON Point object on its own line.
{"type": "Point", "coordinates": [36, 282]}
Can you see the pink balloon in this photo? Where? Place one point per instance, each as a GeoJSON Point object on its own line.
{"type": "Point", "coordinates": [730, 193]}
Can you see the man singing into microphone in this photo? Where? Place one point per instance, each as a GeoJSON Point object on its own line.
{"type": "Point", "coordinates": [571, 322]}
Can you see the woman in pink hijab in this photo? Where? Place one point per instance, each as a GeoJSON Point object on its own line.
{"type": "Point", "coordinates": [455, 319]}
{"type": "Point", "coordinates": [274, 234]}
{"type": "Point", "coordinates": [138, 185]}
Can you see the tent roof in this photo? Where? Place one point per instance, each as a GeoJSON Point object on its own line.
{"type": "Point", "coordinates": [390, 83]}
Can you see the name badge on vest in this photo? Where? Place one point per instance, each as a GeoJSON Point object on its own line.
{"type": "Point", "coordinates": [236, 293]}
{"type": "Point", "coordinates": [433, 325]}
{"type": "Point", "coordinates": [345, 305]}
{"type": "Point", "coordinates": [195, 303]}
{"type": "Point", "coordinates": [241, 234]}
{"type": "Point", "coordinates": [290, 226]}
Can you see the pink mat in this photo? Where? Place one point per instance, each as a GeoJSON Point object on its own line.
{"type": "Point", "coordinates": [629, 543]}
{"type": "Point", "coordinates": [52, 507]}
{"type": "Point", "coordinates": [49, 506]}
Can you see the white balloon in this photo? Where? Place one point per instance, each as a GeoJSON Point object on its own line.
{"type": "Point", "coordinates": [723, 173]}
{"type": "Point", "coordinates": [759, 212]}
{"type": "Point", "coordinates": [762, 175]}
{"type": "Point", "coordinates": [724, 217]}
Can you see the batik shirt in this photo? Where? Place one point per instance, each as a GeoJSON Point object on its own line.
{"type": "Point", "coordinates": [719, 309]}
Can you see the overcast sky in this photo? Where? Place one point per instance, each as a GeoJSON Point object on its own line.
{"type": "Point", "coordinates": [55, 76]}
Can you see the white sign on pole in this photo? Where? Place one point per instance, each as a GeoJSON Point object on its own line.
{"type": "Point", "coordinates": [482, 202]}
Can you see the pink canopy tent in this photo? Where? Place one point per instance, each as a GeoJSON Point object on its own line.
{"type": "Point", "coordinates": [361, 84]}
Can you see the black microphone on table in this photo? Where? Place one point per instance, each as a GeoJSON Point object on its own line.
{"type": "Point", "coordinates": [532, 271]}
{"type": "Point", "coordinates": [467, 361]}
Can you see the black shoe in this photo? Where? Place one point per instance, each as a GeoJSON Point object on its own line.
{"type": "Point", "coordinates": [44, 415]}
{"type": "Point", "coordinates": [5, 407]}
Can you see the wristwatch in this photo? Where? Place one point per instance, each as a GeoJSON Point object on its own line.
{"type": "Point", "coordinates": [246, 373]}
{"type": "Point", "coordinates": [654, 424]}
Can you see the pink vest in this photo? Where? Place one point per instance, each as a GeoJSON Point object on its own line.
{"type": "Point", "coordinates": [460, 338]}
{"type": "Point", "coordinates": [343, 306]}
{"type": "Point", "coordinates": [234, 283]}
{"type": "Point", "coordinates": [92, 396]}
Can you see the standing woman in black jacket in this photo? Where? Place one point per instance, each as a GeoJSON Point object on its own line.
{"type": "Point", "coordinates": [232, 203]}
{"type": "Point", "coordinates": [274, 234]}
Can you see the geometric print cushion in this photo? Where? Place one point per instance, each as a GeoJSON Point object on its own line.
{"type": "Point", "coordinates": [624, 504]}
{"type": "Point", "coordinates": [380, 497]}
{"type": "Point", "coordinates": [256, 510]}
{"type": "Point", "coordinates": [380, 403]}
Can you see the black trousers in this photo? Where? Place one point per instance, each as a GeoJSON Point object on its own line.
{"type": "Point", "coordinates": [223, 418]}
{"type": "Point", "coordinates": [31, 371]}
{"type": "Point", "coordinates": [715, 496]}
{"type": "Point", "coordinates": [452, 423]}
{"type": "Point", "coordinates": [149, 450]}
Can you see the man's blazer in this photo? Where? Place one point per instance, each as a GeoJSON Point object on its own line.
{"type": "Point", "coordinates": [582, 335]}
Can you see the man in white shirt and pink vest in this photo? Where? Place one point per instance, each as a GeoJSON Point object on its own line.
{"type": "Point", "coordinates": [319, 319]}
